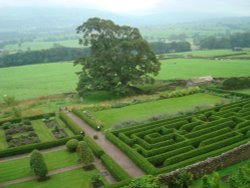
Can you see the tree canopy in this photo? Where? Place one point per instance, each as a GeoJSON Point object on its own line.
{"type": "Point", "coordinates": [119, 58]}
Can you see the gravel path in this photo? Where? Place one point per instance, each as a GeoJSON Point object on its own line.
{"type": "Point", "coordinates": [125, 162]}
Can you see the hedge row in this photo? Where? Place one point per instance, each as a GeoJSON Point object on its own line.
{"type": "Point", "coordinates": [229, 92]}
{"type": "Point", "coordinates": [210, 129]}
{"type": "Point", "coordinates": [118, 172]}
{"type": "Point", "coordinates": [97, 150]}
{"type": "Point", "coordinates": [211, 124]}
{"type": "Point", "coordinates": [203, 150]}
{"type": "Point", "coordinates": [31, 147]}
{"type": "Point", "coordinates": [218, 138]}
{"type": "Point", "coordinates": [70, 123]}
{"type": "Point", "coordinates": [86, 119]}
{"type": "Point", "coordinates": [40, 116]}
{"type": "Point", "coordinates": [133, 155]}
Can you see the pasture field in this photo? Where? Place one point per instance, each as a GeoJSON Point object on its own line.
{"type": "Point", "coordinates": [190, 68]}
{"type": "Point", "coordinates": [20, 168]}
{"type": "Point", "coordinates": [75, 178]}
{"type": "Point", "coordinates": [166, 107]}
{"type": "Point", "coordinates": [41, 45]}
{"type": "Point", "coordinates": [165, 145]}
{"type": "Point", "coordinates": [38, 80]}
{"type": "Point", "coordinates": [53, 78]}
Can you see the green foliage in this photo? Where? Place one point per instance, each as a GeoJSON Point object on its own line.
{"type": "Point", "coordinates": [236, 83]}
{"type": "Point", "coordinates": [118, 172]}
{"type": "Point", "coordinates": [9, 100]}
{"type": "Point", "coordinates": [118, 51]}
{"type": "Point", "coordinates": [211, 182]}
{"type": "Point", "coordinates": [88, 118]}
{"type": "Point", "coordinates": [85, 154]}
{"type": "Point", "coordinates": [182, 180]}
{"type": "Point", "coordinates": [72, 144]}
{"type": "Point", "coordinates": [37, 164]}
{"type": "Point", "coordinates": [97, 150]}
{"type": "Point", "coordinates": [28, 148]}
{"type": "Point", "coordinates": [144, 182]}
{"type": "Point", "coordinates": [240, 178]}
{"type": "Point", "coordinates": [42, 56]}
{"type": "Point", "coordinates": [162, 47]}
{"type": "Point", "coordinates": [71, 124]}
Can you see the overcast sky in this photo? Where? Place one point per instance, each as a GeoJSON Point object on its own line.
{"type": "Point", "coordinates": [228, 7]}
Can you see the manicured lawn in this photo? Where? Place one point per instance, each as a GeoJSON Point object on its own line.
{"type": "Point", "coordinates": [75, 179]}
{"type": "Point", "coordinates": [42, 131]}
{"type": "Point", "coordinates": [190, 68]}
{"type": "Point", "coordinates": [3, 144]}
{"type": "Point", "coordinates": [20, 168]}
{"type": "Point", "coordinates": [146, 110]}
{"type": "Point", "coordinates": [224, 172]}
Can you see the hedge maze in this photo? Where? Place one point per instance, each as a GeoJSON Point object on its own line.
{"type": "Point", "coordinates": [165, 145]}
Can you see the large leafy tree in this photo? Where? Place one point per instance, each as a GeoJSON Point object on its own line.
{"type": "Point", "coordinates": [119, 58]}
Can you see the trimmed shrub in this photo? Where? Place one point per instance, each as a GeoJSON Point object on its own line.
{"type": "Point", "coordinates": [38, 165]}
{"type": "Point", "coordinates": [28, 148]}
{"type": "Point", "coordinates": [70, 123]}
{"type": "Point", "coordinates": [118, 172]}
{"type": "Point", "coordinates": [87, 119]}
{"type": "Point", "coordinates": [72, 144]}
{"type": "Point", "coordinates": [85, 154]}
{"type": "Point", "coordinates": [97, 150]}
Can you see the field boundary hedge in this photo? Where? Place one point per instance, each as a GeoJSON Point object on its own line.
{"type": "Point", "coordinates": [28, 148]}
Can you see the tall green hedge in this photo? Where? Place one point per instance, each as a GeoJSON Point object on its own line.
{"type": "Point", "coordinates": [70, 123]}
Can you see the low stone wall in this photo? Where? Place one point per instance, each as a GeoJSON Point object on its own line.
{"type": "Point", "coordinates": [211, 164]}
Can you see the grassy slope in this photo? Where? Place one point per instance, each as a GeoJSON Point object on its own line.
{"type": "Point", "coordinates": [145, 110]}
{"type": "Point", "coordinates": [75, 179]}
{"type": "Point", "coordinates": [47, 79]}
{"type": "Point", "coordinates": [43, 131]}
{"type": "Point", "coordinates": [245, 91]}
{"type": "Point", "coordinates": [20, 168]}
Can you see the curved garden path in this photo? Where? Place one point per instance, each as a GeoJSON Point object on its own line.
{"type": "Point", "coordinates": [125, 162]}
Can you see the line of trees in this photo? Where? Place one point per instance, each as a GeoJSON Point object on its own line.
{"type": "Point", "coordinates": [162, 47]}
{"type": "Point", "coordinates": [235, 40]}
{"type": "Point", "coordinates": [42, 56]}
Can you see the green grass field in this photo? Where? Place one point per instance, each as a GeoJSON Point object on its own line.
{"type": "Point", "coordinates": [20, 168]}
{"type": "Point", "coordinates": [189, 68]}
{"type": "Point", "coordinates": [38, 80]}
{"type": "Point", "coordinates": [47, 79]}
{"type": "Point", "coordinates": [75, 179]}
{"type": "Point", "coordinates": [41, 45]}
{"type": "Point", "coordinates": [146, 110]}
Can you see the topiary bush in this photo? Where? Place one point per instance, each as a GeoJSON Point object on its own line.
{"type": "Point", "coordinates": [72, 144]}
{"type": "Point", "coordinates": [85, 154]}
{"type": "Point", "coordinates": [38, 165]}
